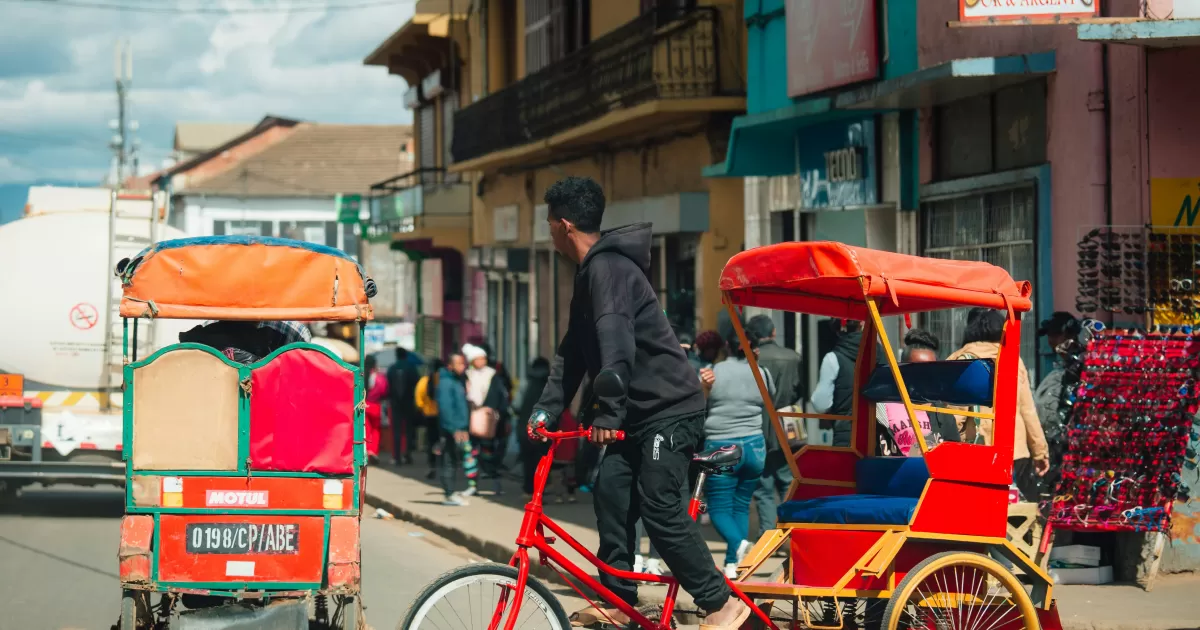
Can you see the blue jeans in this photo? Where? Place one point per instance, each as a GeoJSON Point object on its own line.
{"type": "Point", "coordinates": [728, 495]}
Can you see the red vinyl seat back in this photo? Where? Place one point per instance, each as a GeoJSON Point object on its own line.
{"type": "Point", "coordinates": [302, 414]}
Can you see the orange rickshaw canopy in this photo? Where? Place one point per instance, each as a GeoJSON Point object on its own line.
{"type": "Point", "coordinates": [244, 278]}
{"type": "Point", "coordinates": [835, 280]}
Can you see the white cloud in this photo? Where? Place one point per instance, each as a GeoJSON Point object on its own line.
{"type": "Point", "coordinates": [56, 83]}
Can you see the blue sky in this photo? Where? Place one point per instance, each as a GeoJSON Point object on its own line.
{"type": "Point", "coordinates": [56, 83]}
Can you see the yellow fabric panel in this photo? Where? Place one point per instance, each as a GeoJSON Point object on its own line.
{"type": "Point", "coordinates": [185, 413]}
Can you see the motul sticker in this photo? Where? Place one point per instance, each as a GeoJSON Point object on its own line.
{"type": "Point", "coordinates": [235, 498]}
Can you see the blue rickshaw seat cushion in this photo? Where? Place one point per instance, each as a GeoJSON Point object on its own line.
{"type": "Point", "coordinates": [889, 488]}
{"type": "Point", "coordinates": [850, 509]}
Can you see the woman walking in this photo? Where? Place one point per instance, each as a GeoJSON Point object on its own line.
{"type": "Point", "coordinates": [735, 416]}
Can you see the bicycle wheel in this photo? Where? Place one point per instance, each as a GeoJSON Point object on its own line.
{"type": "Point", "coordinates": [467, 598]}
{"type": "Point", "coordinates": [956, 590]}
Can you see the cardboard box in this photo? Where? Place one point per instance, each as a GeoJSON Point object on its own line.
{"type": "Point", "coordinates": [1094, 575]}
{"type": "Point", "coordinates": [1081, 555]}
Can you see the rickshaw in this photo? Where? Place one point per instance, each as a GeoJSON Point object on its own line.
{"type": "Point", "coordinates": [244, 471]}
{"type": "Point", "coordinates": [874, 542]}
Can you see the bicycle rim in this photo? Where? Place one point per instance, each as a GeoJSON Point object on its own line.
{"type": "Point", "coordinates": [471, 601]}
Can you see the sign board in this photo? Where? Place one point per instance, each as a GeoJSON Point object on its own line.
{"type": "Point", "coordinates": [12, 385]}
{"type": "Point", "coordinates": [836, 166]}
{"type": "Point", "coordinates": [374, 337]}
{"type": "Point", "coordinates": [1175, 203]}
{"type": "Point", "coordinates": [541, 229]}
{"type": "Point", "coordinates": [1009, 10]}
{"type": "Point", "coordinates": [348, 207]}
{"type": "Point", "coordinates": [505, 226]}
{"type": "Point", "coordinates": [830, 44]}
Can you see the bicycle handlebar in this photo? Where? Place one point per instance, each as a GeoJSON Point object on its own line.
{"type": "Point", "coordinates": [567, 435]}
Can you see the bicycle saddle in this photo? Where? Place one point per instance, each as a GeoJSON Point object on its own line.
{"type": "Point", "coordinates": [719, 460]}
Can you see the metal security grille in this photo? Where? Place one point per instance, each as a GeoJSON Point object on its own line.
{"type": "Point", "coordinates": [995, 227]}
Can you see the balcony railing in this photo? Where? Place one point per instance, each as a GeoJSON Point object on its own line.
{"type": "Point", "coordinates": [663, 54]}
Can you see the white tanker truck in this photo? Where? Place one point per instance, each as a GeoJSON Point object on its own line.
{"type": "Point", "coordinates": [60, 336]}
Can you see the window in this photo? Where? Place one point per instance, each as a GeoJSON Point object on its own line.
{"type": "Point", "coordinates": [554, 29]}
{"type": "Point", "coordinates": [449, 106]}
{"type": "Point", "coordinates": [1001, 131]}
{"type": "Point", "coordinates": [997, 227]}
{"type": "Point", "coordinates": [243, 228]}
{"type": "Point", "coordinates": [427, 125]}
{"type": "Point", "coordinates": [310, 231]}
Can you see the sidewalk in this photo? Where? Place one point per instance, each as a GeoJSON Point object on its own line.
{"type": "Point", "coordinates": [489, 524]}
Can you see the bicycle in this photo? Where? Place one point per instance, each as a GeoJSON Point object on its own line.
{"type": "Point", "coordinates": [438, 604]}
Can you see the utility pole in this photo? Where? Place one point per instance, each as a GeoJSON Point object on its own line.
{"type": "Point", "coordinates": [124, 146]}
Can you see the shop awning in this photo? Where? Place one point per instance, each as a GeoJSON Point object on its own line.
{"type": "Point", "coordinates": [764, 144]}
{"type": "Point", "coordinates": [948, 82]}
{"type": "Point", "coordinates": [1146, 33]}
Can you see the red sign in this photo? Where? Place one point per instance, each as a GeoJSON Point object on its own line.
{"type": "Point", "coordinates": [830, 44]}
{"type": "Point", "coordinates": [1011, 10]}
{"type": "Point", "coordinates": [84, 316]}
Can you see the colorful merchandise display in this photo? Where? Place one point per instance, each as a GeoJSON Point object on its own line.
{"type": "Point", "coordinates": [1129, 421]}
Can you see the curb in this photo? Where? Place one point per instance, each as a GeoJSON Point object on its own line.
{"type": "Point", "coordinates": [496, 552]}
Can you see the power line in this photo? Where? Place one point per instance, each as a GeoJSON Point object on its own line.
{"type": "Point", "coordinates": [140, 8]}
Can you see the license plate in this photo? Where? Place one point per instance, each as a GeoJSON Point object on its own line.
{"type": "Point", "coordinates": [243, 538]}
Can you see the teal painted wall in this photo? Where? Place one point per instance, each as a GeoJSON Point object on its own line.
{"type": "Point", "coordinates": [766, 44]}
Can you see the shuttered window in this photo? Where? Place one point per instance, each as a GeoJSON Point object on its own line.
{"type": "Point", "coordinates": [449, 106]}
{"type": "Point", "coordinates": [538, 52]}
{"type": "Point", "coordinates": [427, 122]}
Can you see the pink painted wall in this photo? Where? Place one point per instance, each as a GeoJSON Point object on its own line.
{"type": "Point", "coordinates": [1075, 121]}
{"type": "Point", "coordinates": [1174, 124]}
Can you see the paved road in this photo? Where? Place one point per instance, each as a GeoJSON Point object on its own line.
{"type": "Point", "coordinates": [58, 551]}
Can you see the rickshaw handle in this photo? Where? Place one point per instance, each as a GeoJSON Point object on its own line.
{"type": "Point", "coordinates": [567, 435]}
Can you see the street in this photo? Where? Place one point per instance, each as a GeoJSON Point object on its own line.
{"type": "Point", "coordinates": [59, 550]}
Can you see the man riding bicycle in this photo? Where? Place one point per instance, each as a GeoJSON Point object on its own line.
{"type": "Point", "coordinates": [616, 323]}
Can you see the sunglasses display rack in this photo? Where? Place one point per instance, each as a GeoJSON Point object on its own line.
{"type": "Point", "coordinates": [1140, 271]}
{"type": "Point", "coordinates": [1129, 424]}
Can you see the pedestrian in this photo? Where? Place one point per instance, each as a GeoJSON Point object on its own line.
{"type": "Point", "coordinates": [402, 377]}
{"type": "Point", "coordinates": [489, 398]}
{"type": "Point", "coordinates": [1031, 456]}
{"type": "Point", "coordinates": [735, 413]}
{"type": "Point", "coordinates": [708, 348]}
{"type": "Point", "coordinates": [377, 392]}
{"type": "Point", "coordinates": [454, 420]}
{"type": "Point", "coordinates": [617, 327]}
{"type": "Point", "coordinates": [1061, 331]}
{"type": "Point", "coordinates": [834, 394]}
{"type": "Point", "coordinates": [895, 431]}
{"type": "Point", "coordinates": [531, 450]}
{"type": "Point", "coordinates": [783, 364]}
{"type": "Point", "coordinates": [425, 401]}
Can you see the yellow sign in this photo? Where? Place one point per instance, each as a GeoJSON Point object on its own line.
{"type": "Point", "coordinates": [1175, 203]}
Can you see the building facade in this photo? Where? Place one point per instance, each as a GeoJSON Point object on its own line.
{"type": "Point", "coordinates": [418, 234]}
{"type": "Point", "coordinates": [637, 95]}
{"type": "Point", "coordinates": [943, 132]}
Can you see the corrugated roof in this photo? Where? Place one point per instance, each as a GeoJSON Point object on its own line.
{"type": "Point", "coordinates": [202, 136]}
{"type": "Point", "coordinates": [316, 160]}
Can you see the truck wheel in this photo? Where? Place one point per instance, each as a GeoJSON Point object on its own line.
{"type": "Point", "coordinates": [135, 610]}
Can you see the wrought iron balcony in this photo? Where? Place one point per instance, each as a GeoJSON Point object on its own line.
{"type": "Point", "coordinates": [663, 54]}
{"type": "Point", "coordinates": [421, 195]}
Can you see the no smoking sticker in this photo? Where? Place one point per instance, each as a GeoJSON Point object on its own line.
{"type": "Point", "coordinates": [84, 316]}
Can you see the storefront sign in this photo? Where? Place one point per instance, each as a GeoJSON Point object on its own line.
{"type": "Point", "coordinates": [837, 165]}
{"type": "Point", "coordinates": [1175, 203]}
{"type": "Point", "coordinates": [505, 227]}
{"type": "Point", "coordinates": [830, 44]}
{"type": "Point", "coordinates": [1010, 10]}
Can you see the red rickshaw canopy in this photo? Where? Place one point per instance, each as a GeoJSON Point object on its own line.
{"type": "Point", "coordinates": [835, 280]}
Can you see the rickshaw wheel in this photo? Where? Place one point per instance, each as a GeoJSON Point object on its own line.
{"type": "Point", "coordinates": [135, 610]}
{"type": "Point", "coordinates": [956, 590]}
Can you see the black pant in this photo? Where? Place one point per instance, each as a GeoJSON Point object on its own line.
{"type": "Point", "coordinates": [1027, 480]}
{"type": "Point", "coordinates": [433, 433]}
{"type": "Point", "coordinates": [404, 432]}
{"type": "Point", "coordinates": [646, 478]}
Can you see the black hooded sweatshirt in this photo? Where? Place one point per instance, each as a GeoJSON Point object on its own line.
{"type": "Point", "coordinates": [617, 323]}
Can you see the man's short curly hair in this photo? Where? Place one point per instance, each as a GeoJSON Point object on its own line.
{"type": "Point", "coordinates": [579, 200]}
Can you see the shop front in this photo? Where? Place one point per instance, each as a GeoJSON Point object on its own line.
{"type": "Point", "coordinates": [501, 287]}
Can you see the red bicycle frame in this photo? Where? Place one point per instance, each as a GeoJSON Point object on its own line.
{"type": "Point", "coordinates": [533, 536]}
